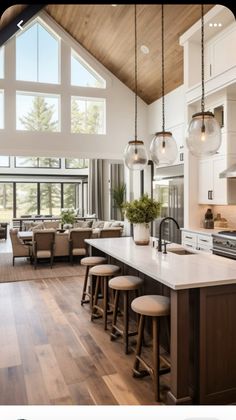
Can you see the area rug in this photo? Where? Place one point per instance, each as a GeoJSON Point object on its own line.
{"type": "Point", "coordinates": [23, 270]}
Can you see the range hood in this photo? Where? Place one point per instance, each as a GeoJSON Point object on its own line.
{"type": "Point", "coordinates": [230, 172]}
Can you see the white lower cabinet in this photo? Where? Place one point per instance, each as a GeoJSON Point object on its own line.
{"type": "Point", "coordinates": [197, 241]}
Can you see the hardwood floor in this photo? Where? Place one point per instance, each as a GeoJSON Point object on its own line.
{"type": "Point", "coordinates": [51, 353]}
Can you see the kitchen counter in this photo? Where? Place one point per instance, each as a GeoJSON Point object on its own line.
{"type": "Point", "coordinates": [202, 291]}
{"type": "Point", "coordinates": [204, 231]}
{"type": "Point", "coordinates": [173, 270]}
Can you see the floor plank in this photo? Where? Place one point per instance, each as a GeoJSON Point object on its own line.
{"type": "Point", "coordinates": [52, 354]}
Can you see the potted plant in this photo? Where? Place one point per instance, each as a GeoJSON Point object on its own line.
{"type": "Point", "coordinates": [118, 195]}
{"type": "Point", "coordinates": [141, 212]}
{"type": "Point", "coordinates": [68, 217]}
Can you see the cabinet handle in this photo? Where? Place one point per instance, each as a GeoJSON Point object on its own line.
{"type": "Point", "coordinates": [204, 240]}
{"type": "Point", "coordinates": [210, 70]}
{"type": "Point", "coordinates": [190, 246]}
{"type": "Point", "coordinates": [210, 195]}
{"type": "Point", "coordinates": [188, 237]}
{"type": "Point", "coordinates": [181, 157]}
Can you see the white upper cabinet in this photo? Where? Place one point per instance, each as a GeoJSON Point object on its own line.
{"type": "Point", "coordinates": [219, 53]}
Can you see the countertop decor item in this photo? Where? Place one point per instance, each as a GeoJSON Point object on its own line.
{"type": "Point", "coordinates": [204, 133]}
{"type": "Point", "coordinates": [208, 221]}
{"type": "Point", "coordinates": [163, 148]}
{"type": "Point", "coordinates": [135, 155]}
{"type": "Point", "coordinates": [141, 212]}
{"type": "Point", "coordinates": [220, 221]}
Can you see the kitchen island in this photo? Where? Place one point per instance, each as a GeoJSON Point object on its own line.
{"type": "Point", "coordinates": [202, 289]}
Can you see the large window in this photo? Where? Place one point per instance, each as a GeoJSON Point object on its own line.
{"type": "Point", "coordinates": [84, 75]}
{"type": "Point", "coordinates": [74, 163]}
{"type": "Point", "coordinates": [88, 115]}
{"type": "Point", "coordinates": [37, 112]}
{"type": "Point", "coordinates": [1, 109]}
{"type": "Point", "coordinates": [4, 161]}
{"type": "Point", "coordinates": [1, 62]}
{"type": "Point", "coordinates": [36, 162]}
{"type": "Point", "coordinates": [6, 201]}
{"type": "Point", "coordinates": [26, 198]}
{"type": "Point", "coordinates": [37, 55]}
{"type": "Point", "coordinates": [50, 199]}
{"type": "Point", "coordinates": [69, 195]}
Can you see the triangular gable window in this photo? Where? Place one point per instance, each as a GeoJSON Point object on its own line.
{"type": "Point", "coordinates": [84, 75]}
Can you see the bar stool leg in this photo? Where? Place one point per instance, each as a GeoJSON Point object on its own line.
{"type": "Point", "coordinates": [115, 312]}
{"type": "Point", "coordinates": [85, 286]}
{"type": "Point", "coordinates": [139, 346]}
{"type": "Point", "coordinates": [126, 323]}
{"type": "Point", "coordinates": [156, 358]}
{"type": "Point", "coordinates": [95, 296]}
{"type": "Point", "coordinates": [105, 301]}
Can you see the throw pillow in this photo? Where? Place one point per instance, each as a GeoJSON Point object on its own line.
{"type": "Point", "coordinates": [98, 224]}
{"type": "Point", "coordinates": [107, 225]}
{"type": "Point", "coordinates": [116, 224]}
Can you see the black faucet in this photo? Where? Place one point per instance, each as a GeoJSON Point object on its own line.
{"type": "Point", "coordinates": [160, 230]}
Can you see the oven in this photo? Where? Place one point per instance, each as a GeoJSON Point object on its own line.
{"type": "Point", "coordinates": [224, 244]}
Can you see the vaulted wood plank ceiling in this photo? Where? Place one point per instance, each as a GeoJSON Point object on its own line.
{"type": "Point", "coordinates": [107, 32]}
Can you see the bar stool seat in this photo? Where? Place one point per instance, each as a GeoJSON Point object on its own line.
{"type": "Point", "coordinates": [124, 284]}
{"type": "Point", "coordinates": [89, 262]}
{"type": "Point", "coordinates": [153, 306]}
{"type": "Point", "coordinates": [103, 272]}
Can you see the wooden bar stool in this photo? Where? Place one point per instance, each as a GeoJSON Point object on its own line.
{"type": "Point", "coordinates": [154, 306]}
{"type": "Point", "coordinates": [103, 274]}
{"type": "Point", "coordinates": [89, 262]}
{"type": "Point", "coordinates": [124, 284]}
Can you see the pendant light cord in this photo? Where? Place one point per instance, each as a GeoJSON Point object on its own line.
{"type": "Point", "coordinates": [135, 75]}
{"type": "Point", "coordinates": [202, 54]}
{"type": "Point", "coordinates": [162, 67]}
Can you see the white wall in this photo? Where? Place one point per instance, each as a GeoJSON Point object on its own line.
{"type": "Point", "coordinates": [174, 111]}
{"type": "Point", "coordinates": [120, 110]}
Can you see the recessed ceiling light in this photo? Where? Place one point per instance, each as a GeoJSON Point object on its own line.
{"type": "Point", "coordinates": [215, 25]}
{"type": "Point", "coordinates": [144, 49]}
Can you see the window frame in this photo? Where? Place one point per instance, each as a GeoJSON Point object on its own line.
{"type": "Point", "coordinates": [3, 109]}
{"type": "Point", "coordinates": [33, 94]}
{"type": "Point", "coordinates": [3, 62]}
{"type": "Point", "coordinates": [87, 67]}
{"type": "Point", "coordinates": [55, 36]}
{"type": "Point", "coordinates": [90, 98]}
{"type": "Point", "coordinates": [36, 167]}
{"type": "Point", "coordinates": [68, 167]}
{"type": "Point", "coordinates": [6, 166]}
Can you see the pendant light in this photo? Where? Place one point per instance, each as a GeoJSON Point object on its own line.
{"type": "Point", "coordinates": [163, 147]}
{"type": "Point", "coordinates": [135, 155]}
{"type": "Point", "coordinates": [203, 134]}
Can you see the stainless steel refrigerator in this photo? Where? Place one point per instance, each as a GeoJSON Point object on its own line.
{"type": "Point", "coordinates": [168, 189]}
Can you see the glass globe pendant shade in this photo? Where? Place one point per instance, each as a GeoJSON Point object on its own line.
{"type": "Point", "coordinates": [135, 155]}
{"type": "Point", "coordinates": [203, 135]}
{"type": "Point", "coordinates": [163, 148]}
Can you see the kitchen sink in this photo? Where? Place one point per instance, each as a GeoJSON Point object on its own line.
{"type": "Point", "coordinates": [181, 251]}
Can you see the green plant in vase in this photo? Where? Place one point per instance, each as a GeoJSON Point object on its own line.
{"type": "Point", "coordinates": [68, 217]}
{"type": "Point", "coordinates": [141, 212]}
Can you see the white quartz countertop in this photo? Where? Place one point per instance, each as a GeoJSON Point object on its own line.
{"type": "Point", "coordinates": [173, 270]}
{"type": "Point", "coordinates": [206, 231]}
